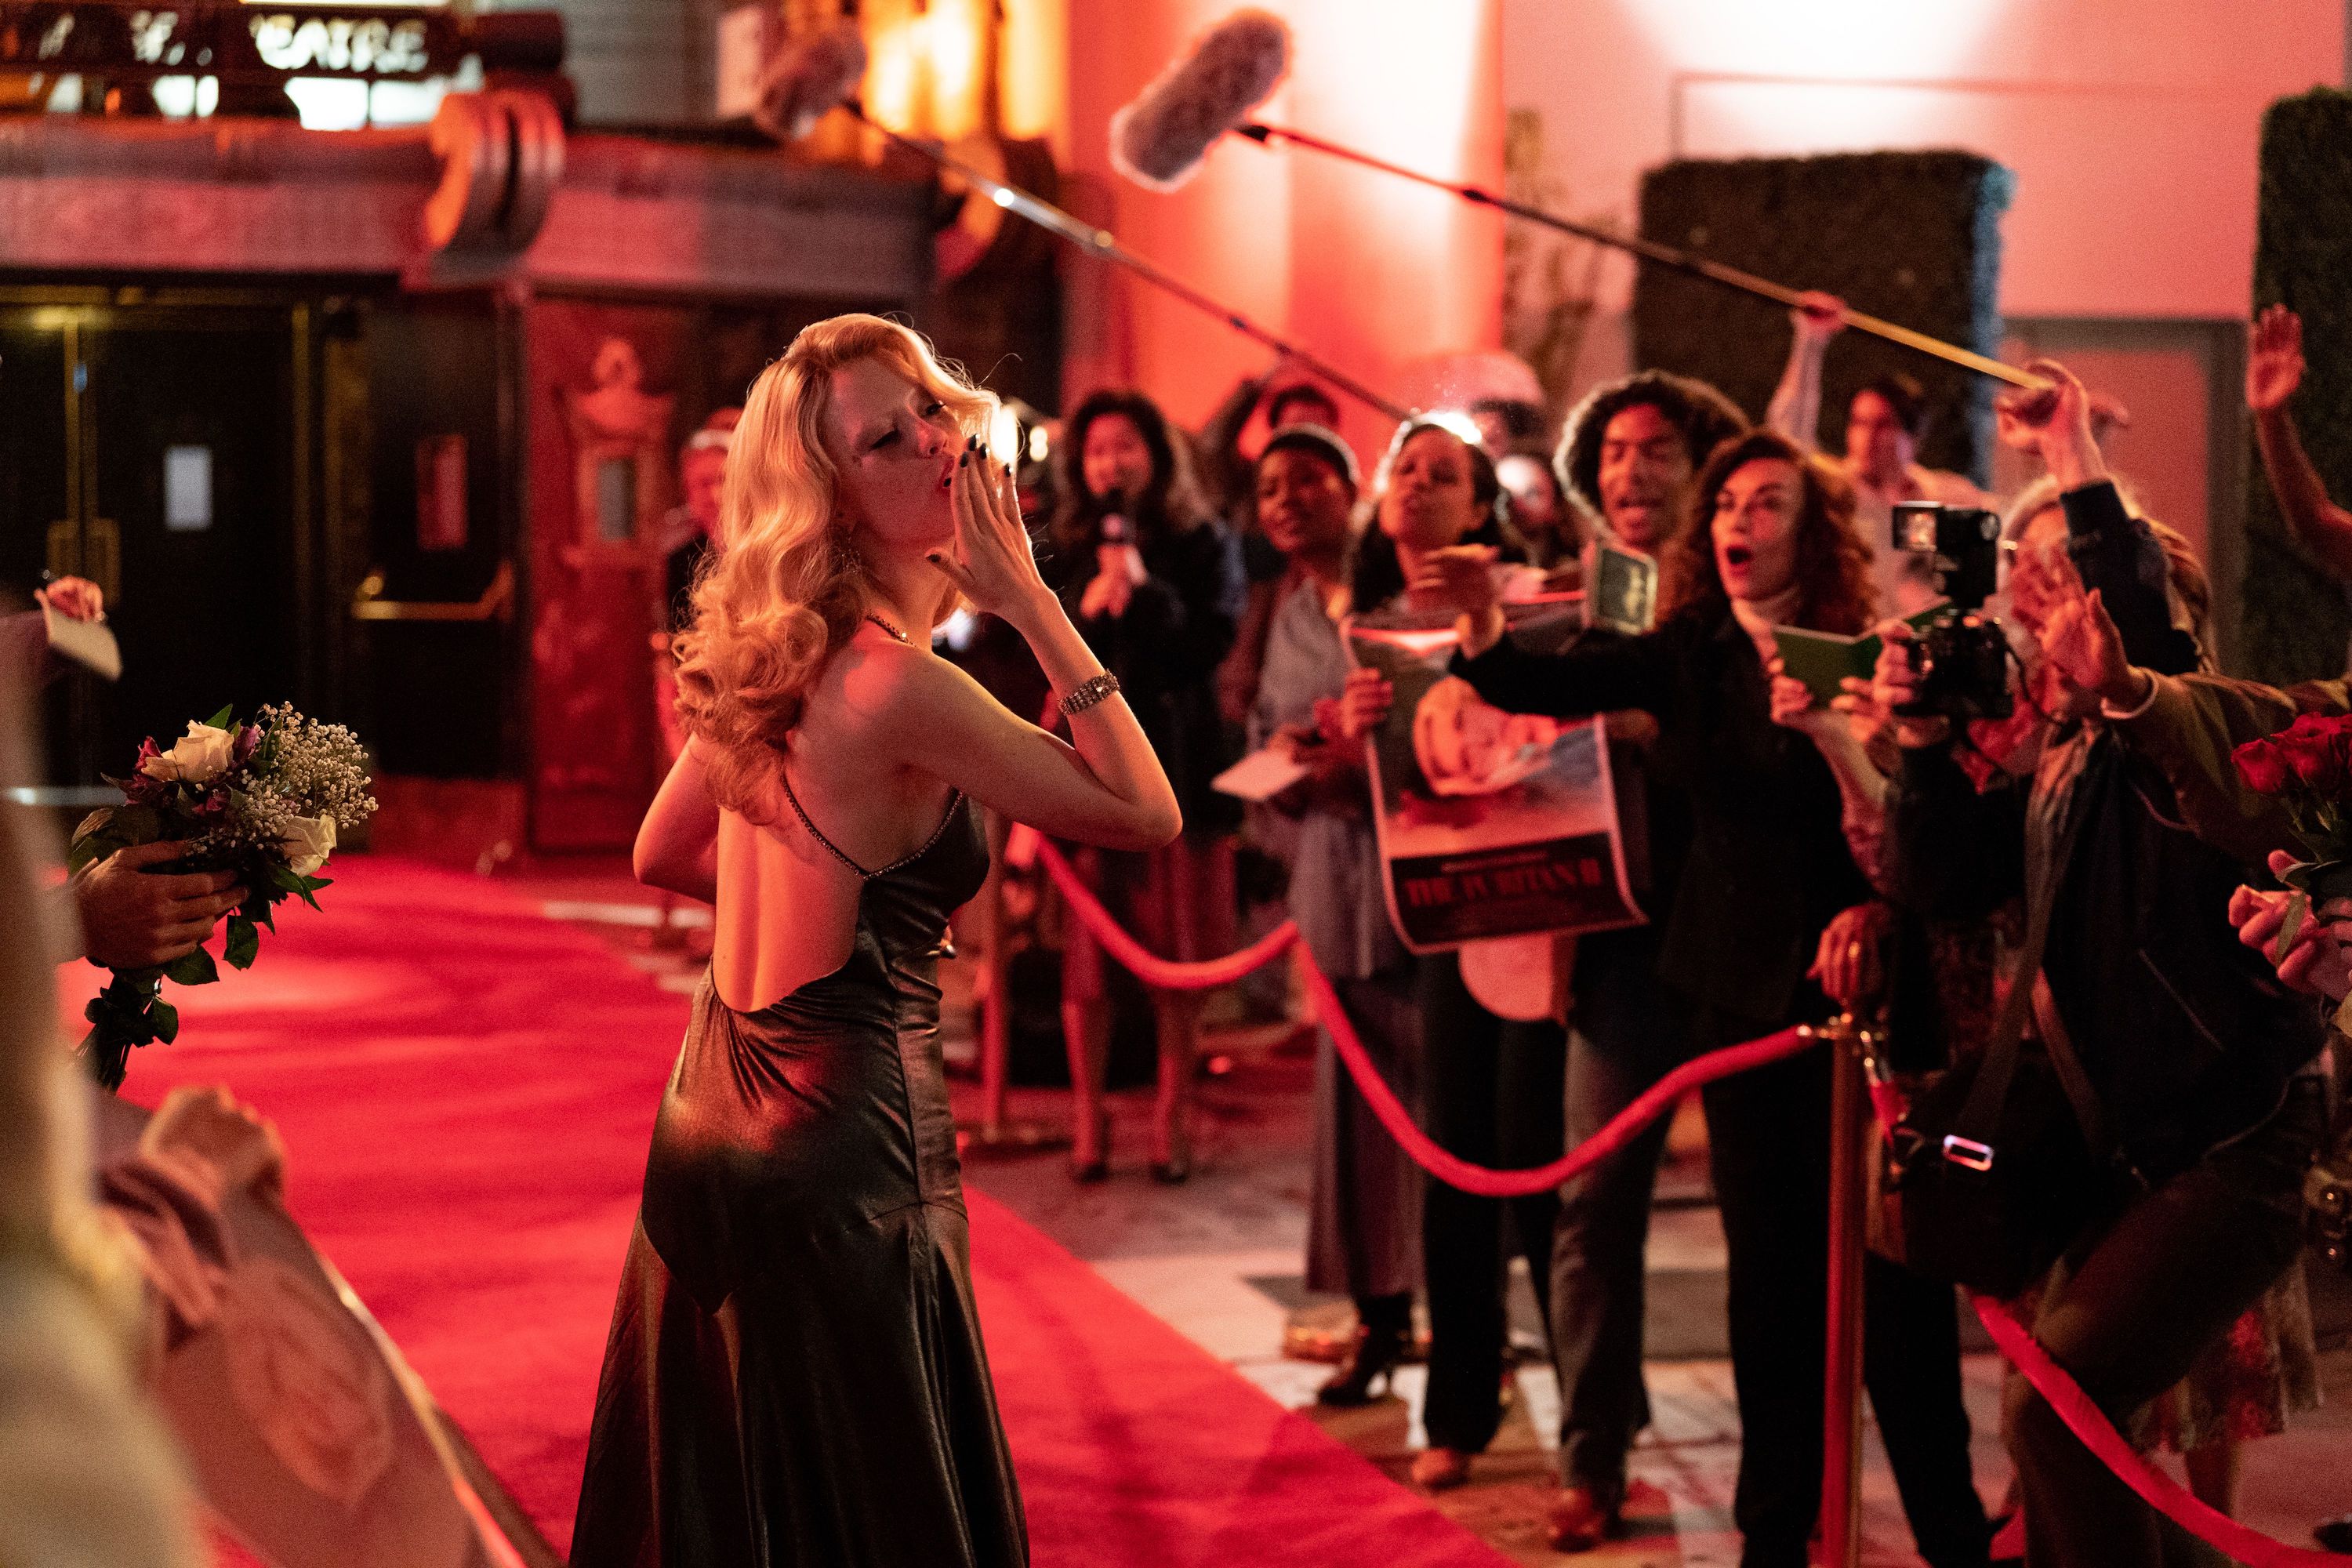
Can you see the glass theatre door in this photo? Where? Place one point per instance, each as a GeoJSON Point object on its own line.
{"type": "Point", "coordinates": [160, 450]}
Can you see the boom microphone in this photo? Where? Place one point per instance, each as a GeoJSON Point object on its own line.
{"type": "Point", "coordinates": [1160, 137]}
{"type": "Point", "coordinates": [812, 75]}
{"type": "Point", "coordinates": [809, 78]}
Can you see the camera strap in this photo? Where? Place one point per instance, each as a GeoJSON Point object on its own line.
{"type": "Point", "coordinates": [1978, 1125]}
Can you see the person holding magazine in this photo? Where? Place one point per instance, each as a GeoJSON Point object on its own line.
{"type": "Point", "coordinates": [795, 1370]}
{"type": "Point", "coordinates": [2198, 1096]}
{"type": "Point", "coordinates": [1770, 541]}
{"type": "Point", "coordinates": [1491, 1088]}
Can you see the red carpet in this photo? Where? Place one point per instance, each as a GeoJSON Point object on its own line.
{"type": "Point", "coordinates": [466, 1090]}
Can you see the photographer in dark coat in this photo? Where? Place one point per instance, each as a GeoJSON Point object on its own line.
{"type": "Point", "coordinates": [2201, 1060]}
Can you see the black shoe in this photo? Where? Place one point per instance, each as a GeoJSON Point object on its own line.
{"type": "Point", "coordinates": [1374, 1358]}
{"type": "Point", "coordinates": [2335, 1534]}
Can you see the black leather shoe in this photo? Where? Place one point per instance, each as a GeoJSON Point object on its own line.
{"type": "Point", "coordinates": [1374, 1360]}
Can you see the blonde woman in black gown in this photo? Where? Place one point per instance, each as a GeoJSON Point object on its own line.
{"type": "Point", "coordinates": [794, 1373]}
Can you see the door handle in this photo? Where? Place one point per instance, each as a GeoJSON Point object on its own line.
{"type": "Point", "coordinates": [496, 603]}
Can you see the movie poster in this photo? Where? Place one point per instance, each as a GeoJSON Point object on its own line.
{"type": "Point", "coordinates": [1490, 824]}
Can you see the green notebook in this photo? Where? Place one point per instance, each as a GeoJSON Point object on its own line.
{"type": "Point", "coordinates": [1821, 660]}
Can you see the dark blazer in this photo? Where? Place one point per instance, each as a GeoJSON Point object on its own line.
{"type": "Point", "coordinates": [2185, 1033]}
{"type": "Point", "coordinates": [1767, 866]}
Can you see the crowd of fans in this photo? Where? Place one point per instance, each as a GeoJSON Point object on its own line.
{"type": "Point", "coordinates": [1793, 858]}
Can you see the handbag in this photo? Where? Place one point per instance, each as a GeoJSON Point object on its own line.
{"type": "Point", "coordinates": [2002, 1159]}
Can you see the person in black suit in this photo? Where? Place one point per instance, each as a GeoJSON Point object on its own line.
{"type": "Point", "coordinates": [1771, 543]}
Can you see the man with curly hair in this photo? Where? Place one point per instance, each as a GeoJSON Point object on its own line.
{"type": "Point", "coordinates": [1627, 457]}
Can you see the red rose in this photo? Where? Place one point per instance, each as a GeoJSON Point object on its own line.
{"type": "Point", "coordinates": [2309, 749]}
{"type": "Point", "coordinates": [2261, 767]}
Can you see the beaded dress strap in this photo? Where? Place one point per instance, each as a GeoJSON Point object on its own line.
{"type": "Point", "coordinates": [954, 801]}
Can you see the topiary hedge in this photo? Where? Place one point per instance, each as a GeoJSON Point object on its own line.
{"type": "Point", "coordinates": [2295, 618]}
{"type": "Point", "coordinates": [1914, 237]}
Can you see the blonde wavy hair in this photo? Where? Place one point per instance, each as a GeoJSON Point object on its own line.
{"type": "Point", "coordinates": [786, 588]}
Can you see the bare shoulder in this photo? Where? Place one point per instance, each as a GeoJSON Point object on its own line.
{"type": "Point", "coordinates": [888, 690]}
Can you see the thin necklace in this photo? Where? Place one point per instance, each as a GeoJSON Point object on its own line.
{"type": "Point", "coordinates": [888, 627]}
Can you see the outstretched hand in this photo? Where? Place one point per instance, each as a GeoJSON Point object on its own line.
{"type": "Point", "coordinates": [990, 558]}
{"type": "Point", "coordinates": [1460, 577]}
{"type": "Point", "coordinates": [2081, 643]}
{"type": "Point", "coordinates": [2053, 422]}
{"type": "Point", "coordinates": [2274, 359]}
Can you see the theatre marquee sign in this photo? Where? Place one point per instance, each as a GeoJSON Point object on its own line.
{"type": "Point", "coordinates": [95, 37]}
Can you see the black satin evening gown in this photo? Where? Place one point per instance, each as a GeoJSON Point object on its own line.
{"type": "Point", "coordinates": [795, 1373]}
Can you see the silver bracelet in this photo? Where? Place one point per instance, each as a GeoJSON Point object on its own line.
{"type": "Point", "coordinates": [1089, 692]}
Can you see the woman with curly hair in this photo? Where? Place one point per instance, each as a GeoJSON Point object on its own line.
{"type": "Point", "coordinates": [795, 1371]}
{"type": "Point", "coordinates": [1154, 583]}
{"type": "Point", "coordinates": [1771, 543]}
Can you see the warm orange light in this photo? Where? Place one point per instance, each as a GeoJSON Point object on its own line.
{"type": "Point", "coordinates": [927, 73]}
{"type": "Point", "coordinates": [1034, 42]}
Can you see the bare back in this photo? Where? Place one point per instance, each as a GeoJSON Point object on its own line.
{"type": "Point", "coordinates": [787, 907]}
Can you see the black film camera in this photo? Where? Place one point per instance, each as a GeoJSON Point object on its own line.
{"type": "Point", "coordinates": [1963, 654]}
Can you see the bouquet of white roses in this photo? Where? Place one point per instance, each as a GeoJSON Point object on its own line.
{"type": "Point", "coordinates": [264, 800]}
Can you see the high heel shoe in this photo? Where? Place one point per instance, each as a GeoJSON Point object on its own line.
{"type": "Point", "coordinates": [1373, 1358]}
{"type": "Point", "coordinates": [1173, 1166]}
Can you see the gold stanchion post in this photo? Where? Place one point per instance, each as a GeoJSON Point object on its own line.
{"type": "Point", "coordinates": [1841, 1532]}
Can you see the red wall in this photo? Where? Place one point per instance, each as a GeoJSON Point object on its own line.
{"type": "Point", "coordinates": [1366, 270]}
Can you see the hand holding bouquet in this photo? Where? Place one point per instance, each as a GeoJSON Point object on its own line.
{"type": "Point", "coordinates": [2307, 768]}
{"type": "Point", "coordinates": [264, 801]}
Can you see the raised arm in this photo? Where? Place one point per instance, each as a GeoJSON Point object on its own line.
{"type": "Point", "coordinates": [2114, 552]}
{"type": "Point", "coordinates": [1107, 787]}
{"type": "Point", "coordinates": [2274, 371]}
{"type": "Point", "coordinates": [677, 843]}
{"type": "Point", "coordinates": [1599, 673]}
{"type": "Point", "coordinates": [1796, 407]}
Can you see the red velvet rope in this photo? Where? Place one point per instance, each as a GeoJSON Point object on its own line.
{"type": "Point", "coordinates": [1621, 1129]}
{"type": "Point", "coordinates": [2160, 1492]}
{"type": "Point", "coordinates": [1149, 966]}
{"type": "Point", "coordinates": [1430, 1155]}
{"type": "Point", "coordinates": [2073, 1407]}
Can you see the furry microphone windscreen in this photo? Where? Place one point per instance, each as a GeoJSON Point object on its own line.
{"type": "Point", "coordinates": [1160, 137]}
{"type": "Point", "coordinates": [808, 78]}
